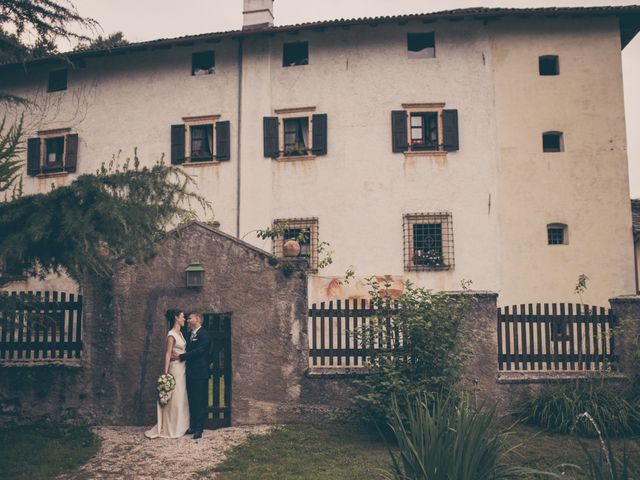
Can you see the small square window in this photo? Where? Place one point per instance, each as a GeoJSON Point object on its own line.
{"type": "Point", "coordinates": [305, 231]}
{"type": "Point", "coordinates": [57, 80]}
{"type": "Point", "coordinates": [552, 142]}
{"type": "Point", "coordinates": [201, 138]}
{"type": "Point", "coordinates": [548, 65]}
{"type": "Point", "coordinates": [296, 53]}
{"type": "Point", "coordinates": [296, 136]}
{"type": "Point", "coordinates": [421, 45]}
{"type": "Point", "coordinates": [557, 234]}
{"type": "Point", "coordinates": [54, 154]}
{"type": "Point", "coordinates": [428, 241]}
{"type": "Point", "coordinates": [203, 63]}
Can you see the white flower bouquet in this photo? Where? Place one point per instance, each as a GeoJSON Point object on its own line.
{"type": "Point", "coordinates": [166, 384]}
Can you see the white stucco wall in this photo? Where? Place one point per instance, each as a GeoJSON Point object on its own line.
{"type": "Point", "coordinates": [586, 186]}
{"type": "Point", "coordinates": [500, 188]}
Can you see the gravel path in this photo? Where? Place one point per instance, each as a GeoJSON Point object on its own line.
{"type": "Point", "coordinates": [127, 453]}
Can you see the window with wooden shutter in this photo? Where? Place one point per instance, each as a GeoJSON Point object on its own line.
{"type": "Point", "coordinates": [270, 134]}
{"type": "Point", "coordinates": [33, 156]}
{"type": "Point", "coordinates": [223, 141]}
{"type": "Point", "coordinates": [319, 141]}
{"type": "Point", "coordinates": [424, 129]}
{"type": "Point", "coordinates": [450, 130]}
{"type": "Point", "coordinates": [177, 144]}
{"type": "Point", "coordinates": [399, 131]}
{"type": "Point", "coordinates": [71, 156]}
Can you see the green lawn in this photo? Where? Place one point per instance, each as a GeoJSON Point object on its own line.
{"type": "Point", "coordinates": [42, 451]}
{"type": "Point", "coordinates": [324, 451]}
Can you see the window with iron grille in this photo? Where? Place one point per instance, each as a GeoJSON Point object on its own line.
{"type": "Point", "coordinates": [428, 241]}
{"type": "Point", "coordinates": [557, 234]}
{"type": "Point", "coordinates": [305, 231]}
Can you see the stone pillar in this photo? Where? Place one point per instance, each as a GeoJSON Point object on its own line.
{"type": "Point", "coordinates": [480, 335]}
{"type": "Point", "coordinates": [626, 308]}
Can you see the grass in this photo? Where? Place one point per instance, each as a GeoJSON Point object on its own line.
{"type": "Point", "coordinates": [42, 451]}
{"type": "Point", "coordinates": [331, 450]}
{"type": "Point", "coordinates": [320, 451]}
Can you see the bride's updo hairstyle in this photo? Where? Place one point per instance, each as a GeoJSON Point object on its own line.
{"type": "Point", "coordinates": [171, 315]}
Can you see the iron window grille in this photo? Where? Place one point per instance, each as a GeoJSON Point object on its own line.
{"type": "Point", "coordinates": [428, 241]}
{"type": "Point", "coordinates": [305, 230]}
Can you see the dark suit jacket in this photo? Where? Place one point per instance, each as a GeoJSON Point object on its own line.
{"type": "Point", "coordinates": [197, 355]}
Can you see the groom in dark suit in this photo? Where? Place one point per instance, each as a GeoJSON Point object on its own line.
{"type": "Point", "coordinates": [197, 358]}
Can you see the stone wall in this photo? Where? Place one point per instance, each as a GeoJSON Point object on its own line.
{"type": "Point", "coordinates": [124, 336]}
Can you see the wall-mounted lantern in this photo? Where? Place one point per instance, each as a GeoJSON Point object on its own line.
{"type": "Point", "coordinates": [195, 275]}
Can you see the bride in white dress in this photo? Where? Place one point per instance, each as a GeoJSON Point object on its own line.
{"type": "Point", "coordinates": [173, 418]}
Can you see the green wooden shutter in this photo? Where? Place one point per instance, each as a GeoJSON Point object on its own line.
{"type": "Point", "coordinates": [33, 156]}
{"type": "Point", "coordinates": [71, 159]}
{"type": "Point", "coordinates": [400, 142]}
{"type": "Point", "coordinates": [319, 134]}
{"type": "Point", "coordinates": [177, 144]}
{"type": "Point", "coordinates": [223, 141]}
{"type": "Point", "coordinates": [271, 143]}
{"type": "Point", "coordinates": [450, 130]}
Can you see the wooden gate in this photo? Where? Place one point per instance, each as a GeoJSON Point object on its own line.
{"type": "Point", "coordinates": [556, 337]}
{"type": "Point", "coordinates": [219, 405]}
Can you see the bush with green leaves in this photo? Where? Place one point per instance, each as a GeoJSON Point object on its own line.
{"type": "Point", "coordinates": [445, 438]}
{"type": "Point", "coordinates": [427, 354]}
{"type": "Point", "coordinates": [616, 411]}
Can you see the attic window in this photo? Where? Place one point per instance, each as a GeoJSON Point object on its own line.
{"type": "Point", "coordinates": [548, 65]}
{"type": "Point", "coordinates": [296, 53]}
{"type": "Point", "coordinates": [421, 45]}
{"type": "Point", "coordinates": [552, 142]}
{"type": "Point", "coordinates": [57, 80]}
{"type": "Point", "coordinates": [203, 63]}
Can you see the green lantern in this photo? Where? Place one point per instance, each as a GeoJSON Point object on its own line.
{"type": "Point", "coordinates": [195, 275]}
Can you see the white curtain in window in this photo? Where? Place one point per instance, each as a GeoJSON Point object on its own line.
{"type": "Point", "coordinates": [210, 139]}
{"type": "Point", "coordinates": [304, 127]}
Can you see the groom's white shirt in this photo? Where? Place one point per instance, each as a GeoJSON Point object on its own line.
{"type": "Point", "coordinates": [193, 334]}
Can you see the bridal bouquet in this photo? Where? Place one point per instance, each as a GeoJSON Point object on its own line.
{"type": "Point", "coordinates": [166, 384]}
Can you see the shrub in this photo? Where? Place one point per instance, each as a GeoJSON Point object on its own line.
{"type": "Point", "coordinates": [429, 358]}
{"type": "Point", "coordinates": [557, 409]}
{"type": "Point", "coordinates": [445, 438]}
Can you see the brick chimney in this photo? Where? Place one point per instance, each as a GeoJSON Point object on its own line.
{"type": "Point", "coordinates": [257, 14]}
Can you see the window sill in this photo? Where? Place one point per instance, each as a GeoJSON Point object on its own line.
{"type": "Point", "coordinates": [424, 268]}
{"type": "Point", "coordinates": [295, 158]}
{"type": "Point", "coordinates": [425, 153]}
{"type": "Point", "coordinates": [51, 174]}
{"type": "Point", "coordinates": [201, 164]}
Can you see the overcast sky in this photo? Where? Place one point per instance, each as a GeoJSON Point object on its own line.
{"type": "Point", "coordinates": [151, 19]}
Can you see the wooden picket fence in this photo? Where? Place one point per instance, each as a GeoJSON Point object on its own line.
{"type": "Point", "coordinates": [37, 326]}
{"type": "Point", "coordinates": [556, 337]}
{"type": "Point", "coordinates": [342, 333]}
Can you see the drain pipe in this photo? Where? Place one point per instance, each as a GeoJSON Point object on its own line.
{"type": "Point", "coordinates": [239, 147]}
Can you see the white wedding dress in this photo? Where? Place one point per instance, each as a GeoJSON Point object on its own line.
{"type": "Point", "coordinates": [173, 418]}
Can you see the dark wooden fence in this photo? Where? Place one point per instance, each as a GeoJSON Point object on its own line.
{"type": "Point", "coordinates": [40, 326]}
{"type": "Point", "coordinates": [555, 337]}
{"type": "Point", "coordinates": [342, 333]}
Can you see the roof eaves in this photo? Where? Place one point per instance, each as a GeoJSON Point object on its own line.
{"type": "Point", "coordinates": [629, 17]}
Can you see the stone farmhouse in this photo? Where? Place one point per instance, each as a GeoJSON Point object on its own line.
{"type": "Point", "coordinates": [483, 144]}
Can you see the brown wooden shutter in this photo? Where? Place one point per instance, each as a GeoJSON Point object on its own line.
{"type": "Point", "coordinates": [177, 144]}
{"type": "Point", "coordinates": [400, 142]}
{"type": "Point", "coordinates": [71, 159]}
{"type": "Point", "coordinates": [271, 144]}
{"type": "Point", "coordinates": [450, 130]}
{"type": "Point", "coordinates": [223, 141]}
{"type": "Point", "coordinates": [33, 156]}
{"type": "Point", "coordinates": [319, 134]}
